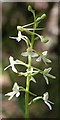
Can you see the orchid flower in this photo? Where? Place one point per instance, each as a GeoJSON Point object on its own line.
{"type": "Point", "coordinates": [14, 92]}
{"type": "Point", "coordinates": [29, 72]}
{"type": "Point", "coordinates": [32, 71]}
{"type": "Point", "coordinates": [20, 36]}
{"type": "Point", "coordinates": [12, 63]}
{"type": "Point", "coordinates": [46, 74]}
{"type": "Point", "coordinates": [47, 102]}
{"type": "Point", "coordinates": [43, 57]}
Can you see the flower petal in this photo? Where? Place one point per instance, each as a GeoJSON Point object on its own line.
{"type": "Point", "coordinates": [9, 94]}
{"type": "Point", "coordinates": [7, 67]}
{"type": "Point", "coordinates": [16, 38]}
{"type": "Point", "coordinates": [14, 69]}
{"type": "Point", "coordinates": [44, 53]}
{"type": "Point", "coordinates": [50, 102]}
{"type": "Point", "coordinates": [38, 59]}
{"type": "Point", "coordinates": [48, 105]}
{"type": "Point", "coordinates": [32, 79]}
{"type": "Point", "coordinates": [46, 79]}
{"type": "Point", "coordinates": [51, 76]}
{"type": "Point", "coordinates": [47, 60]}
{"type": "Point", "coordinates": [46, 71]}
{"type": "Point", "coordinates": [15, 87]}
{"type": "Point", "coordinates": [45, 96]}
{"type": "Point", "coordinates": [25, 54]}
{"type": "Point", "coordinates": [34, 54]}
{"type": "Point", "coordinates": [13, 37]}
{"type": "Point", "coordinates": [11, 59]}
{"type": "Point", "coordinates": [18, 93]}
{"type": "Point", "coordinates": [29, 53]}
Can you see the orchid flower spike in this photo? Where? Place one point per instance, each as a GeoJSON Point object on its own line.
{"type": "Point", "coordinates": [20, 36]}
{"type": "Point", "coordinates": [14, 92]}
{"type": "Point", "coordinates": [12, 63]}
{"type": "Point", "coordinates": [47, 102]}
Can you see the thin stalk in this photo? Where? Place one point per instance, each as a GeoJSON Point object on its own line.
{"type": "Point", "coordinates": [33, 30]}
{"type": "Point", "coordinates": [27, 89]}
{"type": "Point", "coordinates": [29, 76]}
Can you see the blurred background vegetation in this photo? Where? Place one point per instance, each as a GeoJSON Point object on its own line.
{"type": "Point", "coordinates": [13, 14]}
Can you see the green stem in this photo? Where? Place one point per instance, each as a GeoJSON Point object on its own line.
{"type": "Point", "coordinates": [27, 89]}
{"type": "Point", "coordinates": [29, 75]}
{"type": "Point", "coordinates": [33, 30]}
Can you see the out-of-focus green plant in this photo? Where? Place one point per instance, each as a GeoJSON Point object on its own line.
{"type": "Point", "coordinates": [31, 71]}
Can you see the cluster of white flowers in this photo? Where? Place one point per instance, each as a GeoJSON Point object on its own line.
{"type": "Point", "coordinates": [16, 87]}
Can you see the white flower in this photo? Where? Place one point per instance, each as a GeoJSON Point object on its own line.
{"type": "Point", "coordinates": [47, 102]}
{"type": "Point", "coordinates": [43, 57]}
{"type": "Point", "coordinates": [12, 63]}
{"type": "Point", "coordinates": [20, 36]}
{"type": "Point", "coordinates": [31, 72]}
{"type": "Point", "coordinates": [14, 92]}
{"type": "Point", "coordinates": [46, 74]}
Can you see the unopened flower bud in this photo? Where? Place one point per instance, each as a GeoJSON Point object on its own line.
{"type": "Point", "coordinates": [42, 17]}
{"type": "Point", "coordinates": [29, 8]}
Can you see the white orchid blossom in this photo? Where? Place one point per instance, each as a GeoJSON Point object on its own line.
{"type": "Point", "coordinates": [14, 92]}
{"type": "Point", "coordinates": [20, 36]}
{"type": "Point", "coordinates": [12, 63]}
{"type": "Point", "coordinates": [31, 72]}
{"type": "Point", "coordinates": [47, 102]}
{"type": "Point", "coordinates": [43, 57]}
{"type": "Point", "coordinates": [46, 74]}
